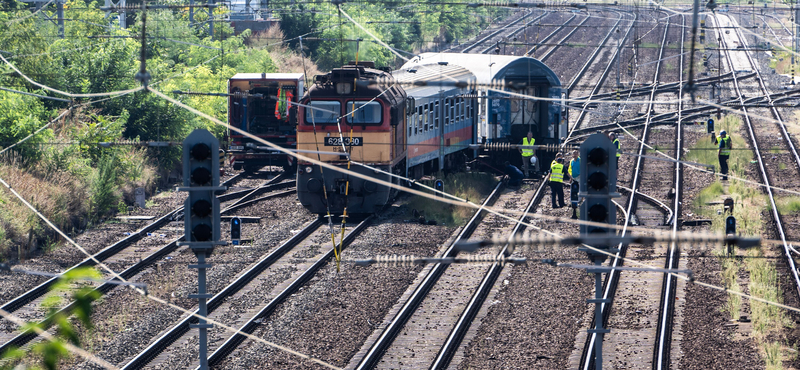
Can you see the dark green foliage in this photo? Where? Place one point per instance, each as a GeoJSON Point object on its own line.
{"type": "Point", "coordinates": [104, 187]}
{"type": "Point", "coordinates": [52, 352]}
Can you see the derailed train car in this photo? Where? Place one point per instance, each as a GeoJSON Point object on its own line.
{"type": "Point", "coordinates": [262, 105]}
{"type": "Point", "coordinates": [389, 127]}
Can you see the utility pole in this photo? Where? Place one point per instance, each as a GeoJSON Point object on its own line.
{"type": "Point", "coordinates": [796, 32]}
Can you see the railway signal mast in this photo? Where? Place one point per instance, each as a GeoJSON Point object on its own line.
{"type": "Point", "coordinates": [598, 177]}
{"type": "Point", "coordinates": [201, 217]}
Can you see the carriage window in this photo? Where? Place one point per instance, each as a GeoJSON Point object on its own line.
{"type": "Point", "coordinates": [425, 119]}
{"type": "Point", "coordinates": [323, 112]}
{"type": "Point", "coordinates": [436, 115]}
{"type": "Point", "coordinates": [461, 109]}
{"type": "Point", "coordinates": [447, 115]}
{"type": "Point", "coordinates": [363, 112]}
{"type": "Point", "coordinates": [453, 116]}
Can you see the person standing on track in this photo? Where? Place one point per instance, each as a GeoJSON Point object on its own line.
{"type": "Point", "coordinates": [557, 183]}
{"type": "Point", "coordinates": [528, 155]}
{"type": "Point", "coordinates": [574, 172]}
{"type": "Point", "coordinates": [724, 152]}
{"type": "Point", "coordinates": [615, 141]}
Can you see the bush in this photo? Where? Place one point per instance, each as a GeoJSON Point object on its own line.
{"type": "Point", "coordinates": [104, 187]}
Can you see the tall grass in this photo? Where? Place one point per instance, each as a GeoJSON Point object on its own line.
{"type": "Point", "coordinates": [705, 151]}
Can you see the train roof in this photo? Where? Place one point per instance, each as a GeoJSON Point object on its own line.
{"type": "Point", "coordinates": [431, 74]}
{"type": "Point", "coordinates": [487, 67]}
{"type": "Point", "coordinates": [267, 76]}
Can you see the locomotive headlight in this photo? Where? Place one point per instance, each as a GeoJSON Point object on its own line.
{"type": "Point", "coordinates": [309, 169]}
{"type": "Point", "coordinates": [343, 88]}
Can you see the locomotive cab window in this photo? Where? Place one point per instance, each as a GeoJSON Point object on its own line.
{"type": "Point", "coordinates": [363, 112]}
{"type": "Point", "coordinates": [323, 112]}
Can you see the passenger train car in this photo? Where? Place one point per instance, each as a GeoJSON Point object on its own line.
{"type": "Point", "coordinates": [391, 126]}
{"type": "Point", "coordinates": [261, 104]}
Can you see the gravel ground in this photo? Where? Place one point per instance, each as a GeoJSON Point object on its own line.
{"type": "Point", "coordinates": [336, 312]}
{"type": "Point", "coordinates": [126, 322]}
{"type": "Point", "coordinates": [706, 342]}
{"type": "Point", "coordinates": [536, 309]}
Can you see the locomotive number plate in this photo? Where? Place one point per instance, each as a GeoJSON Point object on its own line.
{"type": "Point", "coordinates": [336, 141]}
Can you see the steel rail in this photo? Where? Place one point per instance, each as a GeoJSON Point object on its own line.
{"type": "Point", "coordinates": [376, 351]}
{"type": "Point", "coordinates": [512, 33]}
{"type": "Point", "coordinates": [464, 322]}
{"type": "Point", "coordinates": [494, 33]}
{"type": "Point", "coordinates": [547, 38]}
{"type": "Point", "coordinates": [597, 87]}
{"type": "Point", "coordinates": [789, 143]}
{"type": "Point", "coordinates": [563, 39]}
{"type": "Point", "coordinates": [612, 278]}
{"type": "Point", "coordinates": [650, 200]}
{"type": "Point", "coordinates": [249, 327]}
{"type": "Point", "coordinates": [36, 292]}
{"type": "Point", "coordinates": [661, 353]}
{"type": "Point", "coordinates": [25, 337]}
{"type": "Point", "coordinates": [667, 87]}
{"type": "Point", "coordinates": [156, 347]}
{"type": "Point", "coordinates": [591, 59]}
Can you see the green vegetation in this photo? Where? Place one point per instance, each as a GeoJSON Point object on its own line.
{"type": "Point", "coordinates": [64, 171]}
{"type": "Point", "coordinates": [470, 186]}
{"type": "Point", "coordinates": [750, 203]}
{"type": "Point", "coordinates": [788, 205]}
{"type": "Point", "coordinates": [705, 151]}
{"type": "Point", "coordinates": [49, 354]}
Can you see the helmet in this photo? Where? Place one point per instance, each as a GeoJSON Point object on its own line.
{"type": "Point", "coordinates": [722, 132]}
{"type": "Point", "coordinates": [533, 159]}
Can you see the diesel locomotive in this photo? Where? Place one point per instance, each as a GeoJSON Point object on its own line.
{"type": "Point", "coordinates": [389, 126]}
{"type": "Point", "coordinates": [262, 105]}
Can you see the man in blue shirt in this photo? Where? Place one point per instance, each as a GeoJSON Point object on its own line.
{"type": "Point", "coordinates": [513, 174]}
{"type": "Point", "coordinates": [574, 172]}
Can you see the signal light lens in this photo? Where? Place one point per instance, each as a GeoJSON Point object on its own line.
{"type": "Point", "coordinates": [202, 233]}
{"type": "Point", "coordinates": [201, 152]}
{"type": "Point", "coordinates": [598, 156]}
{"type": "Point", "coordinates": [201, 176]}
{"type": "Point", "coordinates": [597, 180]}
{"type": "Point", "coordinates": [201, 208]}
{"type": "Point", "coordinates": [598, 213]}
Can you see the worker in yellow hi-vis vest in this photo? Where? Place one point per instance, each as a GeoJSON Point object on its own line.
{"type": "Point", "coordinates": [615, 141]}
{"type": "Point", "coordinates": [529, 159]}
{"type": "Point", "coordinates": [557, 173]}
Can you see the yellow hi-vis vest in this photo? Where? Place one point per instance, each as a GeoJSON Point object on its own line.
{"type": "Point", "coordinates": [557, 172]}
{"type": "Point", "coordinates": [726, 146]}
{"type": "Point", "coordinates": [527, 152]}
{"type": "Point", "coordinates": [616, 143]}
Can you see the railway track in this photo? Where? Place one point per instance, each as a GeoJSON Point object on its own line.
{"type": "Point", "coordinates": [624, 341]}
{"type": "Point", "coordinates": [247, 283]}
{"type": "Point", "coordinates": [493, 36]}
{"type": "Point", "coordinates": [374, 351]}
{"type": "Point", "coordinates": [753, 129]}
{"type": "Point", "coordinates": [452, 308]}
{"type": "Point", "coordinates": [127, 256]}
